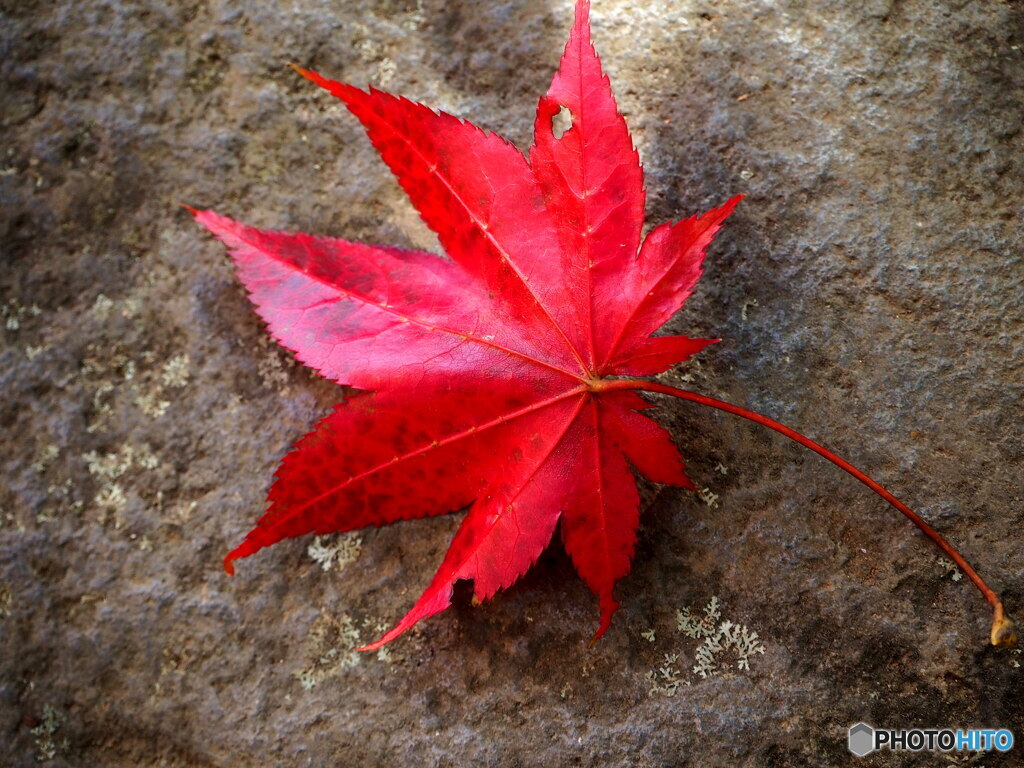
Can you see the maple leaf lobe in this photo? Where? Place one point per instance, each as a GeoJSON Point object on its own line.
{"type": "Point", "coordinates": [483, 373]}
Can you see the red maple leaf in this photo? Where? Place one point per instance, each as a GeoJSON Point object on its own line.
{"type": "Point", "coordinates": [489, 377]}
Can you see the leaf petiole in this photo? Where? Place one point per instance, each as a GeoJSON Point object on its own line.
{"type": "Point", "coordinates": [1004, 631]}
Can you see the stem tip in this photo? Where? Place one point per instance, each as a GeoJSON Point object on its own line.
{"type": "Point", "coordinates": [1004, 631]}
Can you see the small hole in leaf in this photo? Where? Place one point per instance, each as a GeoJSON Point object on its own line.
{"type": "Point", "coordinates": [561, 122]}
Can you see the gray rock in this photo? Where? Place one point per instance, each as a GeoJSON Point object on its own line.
{"type": "Point", "coordinates": [868, 292]}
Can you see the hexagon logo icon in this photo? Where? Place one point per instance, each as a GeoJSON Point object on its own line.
{"type": "Point", "coordinates": [861, 739]}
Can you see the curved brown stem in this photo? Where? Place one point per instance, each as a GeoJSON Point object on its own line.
{"type": "Point", "coordinates": [1004, 632]}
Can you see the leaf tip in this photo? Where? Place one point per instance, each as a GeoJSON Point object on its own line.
{"type": "Point", "coordinates": [387, 638]}
{"type": "Point", "coordinates": [582, 11]}
{"type": "Point", "coordinates": [733, 201]}
{"type": "Point", "coordinates": [609, 605]}
{"type": "Point", "coordinates": [245, 549]}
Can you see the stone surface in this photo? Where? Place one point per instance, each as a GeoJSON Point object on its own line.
{"type": "Point", "coordinates": [868, 291]}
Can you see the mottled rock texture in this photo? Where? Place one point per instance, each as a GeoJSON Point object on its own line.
{"type": "Point", "coordinates": [869, 292]}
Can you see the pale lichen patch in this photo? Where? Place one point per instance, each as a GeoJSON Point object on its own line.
{"type": "Point", "coordinates": [183, 512]}
{"type": "Point", "coordinates": [110, 371]}
{"type": "Point", "coordinates": [174, 665]}
{"type": "Point", "coordinates": [730, 637]}
{"type": "Point", "coordinates": [101, 307]}
{"type": "Point", "coordinates": [111, 500]}
{"type": "Point", "coordinates": [6, 600]}
{"type": "Point", "coordinates": [130, 307]}
{"type": "Point", "coordinates": [702, 627]}
{"type": "Point", "coordinates": [12, 320]}
{"type": "Point", "coordinates": [335, 551]}
{"type": "Point", "coordinates": [414, 19]}
{"type": "Point", "coordinates": [950, 569]}
{"type": "Point", "coordinates": [104, 369]}
{"type": "Point", "coordinates": [13, 312]}
{"type": "Point", "coordinates": [708, 497]}
{"type": "Point", "coordinates": [45, 457]}
{"type": "Point", "coordinates": [152, 404]}
{"type": "Point", "coordinates": [747, 305]}
{"type": "Point", "coordinates": [331, 648]}
{"type": "Point", "coordinates": [145, 457]}
{"type": "Point", "coordinates": [108, 468]}
{"type": "Point", "coordinates": [386, 70]}
{"type": "Point", "coordinates": [273, 367]}
{"type": "Point", "coordinates": [719, 640]}
{"type": "Point", "coordinates": [8, 520]}
{"type": "Point", "coordinates": [666, 678]}
{"type": "Point", "coordinates": [46, 735]}
{"type": "Point", "coordinates": [176, 372]}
